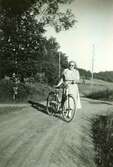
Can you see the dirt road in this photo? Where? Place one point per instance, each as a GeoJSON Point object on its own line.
{"type": "Point", "coordinates": [31, 138]}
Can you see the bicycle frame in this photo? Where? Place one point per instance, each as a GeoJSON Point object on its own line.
{"type": "Point", "coordinates": [65, 94]}
{"type": "Point", "coordinates": [64, 106]}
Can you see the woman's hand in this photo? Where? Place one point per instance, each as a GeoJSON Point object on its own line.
{"type": "Point", "coordinates": [56, 86]}
{"type": "Point", "coordinates": [73, 82]}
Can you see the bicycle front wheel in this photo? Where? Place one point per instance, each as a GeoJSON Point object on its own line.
{"type": "Point", "coordinates": [69, 108]}
{"type": "Point", "coordinates": [52, 103]}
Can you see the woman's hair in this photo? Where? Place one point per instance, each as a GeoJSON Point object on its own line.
{"type": "Point", "coordinates": [75, 65]}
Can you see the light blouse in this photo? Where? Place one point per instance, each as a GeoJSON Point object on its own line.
{"type": "Point", "coordinates": [71, 75]}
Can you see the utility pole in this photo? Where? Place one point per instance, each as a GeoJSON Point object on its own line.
{"type": "Point", "coordinates": [93, 56]}
{"type": "Point", "coordinates": [59, 64]}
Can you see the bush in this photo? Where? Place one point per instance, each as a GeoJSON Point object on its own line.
{"type": "Point", "coordinates": [102, 129]}
{"type": "Point", "coordinates": [39, 91]}
{"type": "Point", "coordinates": [7, 91]}
{"type": "Point", "coordinates": [25, 92]}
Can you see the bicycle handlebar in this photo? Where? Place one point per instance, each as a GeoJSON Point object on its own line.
{"type": "Point", "coordinates": [66, 82]}
{"type": "Point", "coordinates": [71, 81]}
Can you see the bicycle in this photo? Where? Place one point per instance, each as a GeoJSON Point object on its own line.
{"type": "Point", "coordinates": [65, 106]}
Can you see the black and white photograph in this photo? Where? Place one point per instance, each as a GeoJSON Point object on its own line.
{"type": "Point", "coordinates": [56, 83]}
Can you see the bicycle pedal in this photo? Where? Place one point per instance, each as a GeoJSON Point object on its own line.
{"type": "Point", "coordinates": [60, 110]}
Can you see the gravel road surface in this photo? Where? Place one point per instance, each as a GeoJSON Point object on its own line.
{"type": "Point", "coordinates": [31, 138]}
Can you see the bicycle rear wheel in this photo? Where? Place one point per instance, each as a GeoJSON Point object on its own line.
{"type": "Point", "coordinates": [52, 103]}
{"type": "Point", "coordinates": [69, 109]}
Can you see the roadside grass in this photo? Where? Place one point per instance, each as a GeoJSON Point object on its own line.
{"type": "Point", "coordinates": [29, 91]}
{"type": "Point", "coordinates": [101, 90]}
{"type": "Point", "coordinates": [102, 126]}
{"type": "Point", "coordinates": [102, 129]}
{"type": "Point", "coordinates": [101, 95]}
{"type": "Point", "coordinates": [39, 91]}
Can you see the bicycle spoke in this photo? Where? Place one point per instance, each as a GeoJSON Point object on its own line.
{"type": "Point", "coordinates": [69, 109]}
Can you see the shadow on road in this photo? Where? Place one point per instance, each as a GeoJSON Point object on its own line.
{"type": "Point", "coordinates": [42, 108]}
{"type": "Point", "coordinates": [38, 106]}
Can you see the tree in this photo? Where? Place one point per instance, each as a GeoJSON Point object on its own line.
{"type": "Point", "coordinates": [49, 63]}
{"type": "Point", "coordinates": [21, 44]}
{"type": "Point", "coordinates": [84, 73]}
{"type": "Point", "coordinates": [105, 75]}
{"type": "Point", "coordinates": [22, 26]}
{"type": "Point", "coordinates": [45, 11]}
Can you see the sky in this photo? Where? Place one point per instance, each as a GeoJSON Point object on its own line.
{"type": "Point", "coordinates": [91, 36]}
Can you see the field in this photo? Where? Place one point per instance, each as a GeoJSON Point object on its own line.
{"type": "Point", "coordinates": [95, 86]}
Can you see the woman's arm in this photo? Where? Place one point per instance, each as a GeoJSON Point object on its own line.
{"type": "Point", "coordinates": [77, 77]}
{"type": "Point", "coordinates": [60, 83]}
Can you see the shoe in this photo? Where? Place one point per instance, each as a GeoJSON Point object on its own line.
{"type": "Point", "coordinates": [69, 115]}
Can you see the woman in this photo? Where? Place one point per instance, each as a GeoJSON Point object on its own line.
{"type": "Point", "coordinates": [71, 77]}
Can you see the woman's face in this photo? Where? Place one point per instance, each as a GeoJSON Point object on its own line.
{"type": "Point", "coordinates": [71, 66]}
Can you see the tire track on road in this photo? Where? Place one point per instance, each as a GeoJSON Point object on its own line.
{"type": "Point", "coordinates": [17, 147]}
{"type": "Point", "coordinates": [40, 150]}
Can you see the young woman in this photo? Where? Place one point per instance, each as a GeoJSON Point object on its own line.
{"type": "Point", "coordinates": [71, 77]}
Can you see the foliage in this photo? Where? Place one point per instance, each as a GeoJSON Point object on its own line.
{"type": "Point", "coordinates": [20, 45]}
{"type": "Point", "coordinates": [39, 91]}
{"type": "Point", "coordinates": [24, 50]}
{"type": "Point", "coordinates": [51, 73]}
{"type": "Point", "coordinates": [6, 91]}
{"type": "Point", "coordinates": [106, 76]}
{"type": "Point", "coordinates": [103, 95]}
{"type": "Point", "coordinates": [25, 91]}
{"type": "Point", "coordinates": [46, 11]}
{"type": "Point", "coordinates": [103, 139]}
{"type": "Point", "coordinates": [84, 73]}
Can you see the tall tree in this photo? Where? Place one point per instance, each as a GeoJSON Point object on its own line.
{"type": "Point", "coordinates": [22, 27]}
{"type": "Point", "coordinates": [46, 11]}
{"type": "Point", "coordinates": [20, 46]}
{"type": "Point", "coordinates": [50, 60]}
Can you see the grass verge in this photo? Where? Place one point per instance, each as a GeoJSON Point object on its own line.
{"type": "Point", "coordinates": [103, 140]}
{"type": "Point", "coordinates": [101, 95]}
